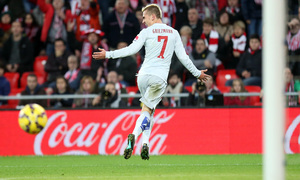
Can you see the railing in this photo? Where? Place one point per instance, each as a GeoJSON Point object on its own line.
{"type": "Point", "coordinates": [78, 96]}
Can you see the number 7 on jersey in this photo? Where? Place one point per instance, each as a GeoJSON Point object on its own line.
{"type": "Point", "coordinates": [165, 39]}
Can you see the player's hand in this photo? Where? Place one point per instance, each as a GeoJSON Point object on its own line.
{"type": "Point", "coordinates": [99, 55]}
{"type": "Point", "coordinates": [203, 77]}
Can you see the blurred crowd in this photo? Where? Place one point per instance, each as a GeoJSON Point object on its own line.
{"type": "Point", "coordinates": [218, 35]}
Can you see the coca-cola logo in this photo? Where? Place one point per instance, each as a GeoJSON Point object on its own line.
{"type": "Point", "coordinates": [293, 132]}
{"type": "Point", "coordinates": [97, 136]}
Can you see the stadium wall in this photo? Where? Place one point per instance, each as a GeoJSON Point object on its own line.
{"type": "Point", "coordinates": [176, 131]}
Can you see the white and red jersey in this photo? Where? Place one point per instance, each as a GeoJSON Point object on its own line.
{"type": "Point", "coordinates": [168, 8]}
{"type": "Point", "coordinates": [160, 41]}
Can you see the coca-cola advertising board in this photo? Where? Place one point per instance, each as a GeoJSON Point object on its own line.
{"type": "Point", "coordinates": [176, 131]}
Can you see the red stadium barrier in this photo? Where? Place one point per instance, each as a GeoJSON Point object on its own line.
{"type": "Point", "coordinates": [176, 131]}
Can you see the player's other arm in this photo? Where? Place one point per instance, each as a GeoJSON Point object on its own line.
{"type": "Point", "coordinates": [185, 60]}
{"type": "Point", "coordinates": [133, 48]}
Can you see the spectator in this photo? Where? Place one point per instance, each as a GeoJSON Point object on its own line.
{"type": "Point", "coordinates": [57, 63]}
{"type": "Point", "coordinates": [61, 88]}
{"type": "Point", "coordinates": [211, 87]}
{"type": "Point", "coordinates": [126, 67]}
{"type": "Point", "coordinates": [168, 8]}
{"type": "Point", "coordinates": [73, 75]}
{"type": "Point", "coordinates": [237, 87]}
{"type": "Point", "coordinates": [195, 23]}
{"type": "Point", "coordinates": [222, 4]}
{"type": "Point", "coordinates": [223, 26]}
{"type": "Point", "coordinates": [202, 58]}
{"type": "Point", "coordinates": [109, 98]}
{"type": "Point", "coordinates": [139, 16]}
{"type": "Point", "coordinates": [239, 40]}
{"type": "Point", "coordinates": [4, 84]}
{"type": "Point", "coordinates": [33, 32]}
{"type": "Point", "coordinates": [54, 23]}
{"type": "Point", "coordinates": [205, 8]}
{"type": "Point", "coordinates": [298, 12]}
{"type": "Point", "coordinates": [18, 50]}
{"type": "Point", "coordinates": [121, 25]}
{"type": "Point", "coordinates": [5, 26]}
{"type": "Point", "coordinates": [87, 17]}
{"type": "Point", "coordinates": [33, 88]}
{"type": "Point", "coordinates": [181, 14]}
{"type": "Point", "coordinates": [86, 87]}
{"type": "Point", "coordinates": [252, 13]}
{"type": "Point", "coordinates": [136, 4]}
{"type": "Point", "coordinates": [293, 44]}
{"type": "Point", "coordinates": [29, 5]}
{"type": "Point", "coordinates": [104, 6]}
{"type": "Point", "coordinates": [186, 37]}
{"type": "Point", "coordinates": [196, 98]}
{"type": "Point", "coordinates": [15, 7]}
{"type": "Point", "coordinates": [234, 10]}
{"type": "Point", "coordinates": [175, 86]}
{"type": "Point", "coordinates": [290, 87]}
{"type": "Point", "coordinates": [293, 6]}
{"type": "Point", "coordinates": [85, 49]}
{"type": "Point", "coordinates": [112, 77]}
{"type": "Point", "coordinates": [250, 65]}
{"type": "Point", "coordinates": [293, 37]}
{"type": "Point", "coordinates": [212, 38]}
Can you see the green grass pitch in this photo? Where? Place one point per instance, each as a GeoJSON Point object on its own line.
{"type": "Point", "coordinates": [170, 167]}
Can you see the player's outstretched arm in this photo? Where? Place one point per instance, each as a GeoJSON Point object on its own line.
{"type": "Point", "coordinates": [203, 77]}
{"type": "Point", "coordinates": [99, 55]}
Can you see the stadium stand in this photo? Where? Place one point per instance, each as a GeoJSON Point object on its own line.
{"type": "Point", "coordinates": [12, 103]}
{"type": "Point", "coordinates": [224, 89]}
{"type": "Point", "coordinates": [38, 66]}
{"type": "Point", "coordinates": [225, 75]}
{"type": "Point", "coordinates": [23, 81]}
{"type": "Point", "coordinates": [13, 78]}
{"type": "Point", "coordinates": [131, 90]}
{"type": "Point", "coordinates": [254, 100]}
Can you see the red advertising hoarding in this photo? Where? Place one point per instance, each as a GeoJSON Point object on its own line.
{"type": "Point", "coordinates": [176, 131]}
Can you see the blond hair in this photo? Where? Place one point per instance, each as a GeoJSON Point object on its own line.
{"type": "Point", "coordinates": [186, 29]}
{"type": "Point", "coordinates": [239, 24]}
{"type": "Point", "coordinates": [90, 80]}
{"type": "Point", "coordinates": [153, 9]}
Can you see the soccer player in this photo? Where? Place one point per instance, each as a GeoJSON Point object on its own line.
{"type": "Point", "coordinates": [160, 41]}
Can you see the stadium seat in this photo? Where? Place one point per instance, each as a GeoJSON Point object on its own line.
{"type": "Point", "coordinates": [12, 104]}
{"type": "Point", "coordinates": [131, 90]}
{"type": "Point", "coordinates": [188, 88]}
{"type": "Point", "coordinates": [38, 66]}
{"type": "Point", "coordinates": [225, 75]}
{"type": "Point", "coordinates": [224, 89]}
{"type": "Point", "coordinates": [254, 100]}
{"type": "Point", "coordinates": [23, 83]}
{"type": "Point", "coordinates": [13, 78]}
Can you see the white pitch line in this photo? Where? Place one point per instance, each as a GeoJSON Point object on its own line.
{"type": "Point", "coordinates": [18, 166]}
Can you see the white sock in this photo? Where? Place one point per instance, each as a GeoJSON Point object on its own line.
{"type": "Point", "coordinates": [141, 124]}
{"type": "Point", "coordinates": [147, 132]}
